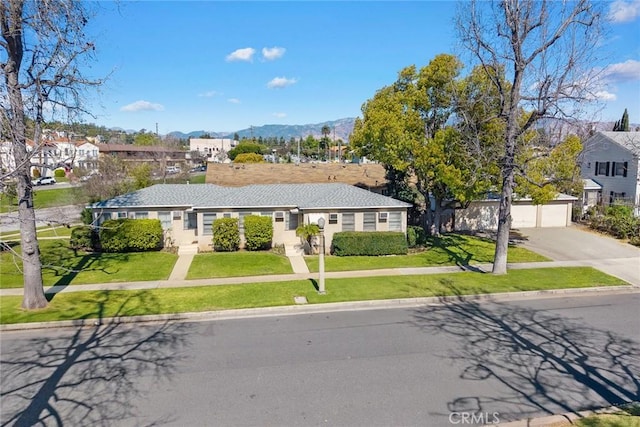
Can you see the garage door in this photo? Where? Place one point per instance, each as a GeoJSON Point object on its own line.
{"type": "Point", "coordinates": [554, 215]}
{"type": "Point", "coordinates": [523, 216]}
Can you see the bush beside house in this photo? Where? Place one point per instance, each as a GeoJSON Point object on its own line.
{"type": "Point", "coordinates": [618, 221]}
{"type": "Point", "coordinates": [354, 243]}
{"type": "Point", "coordinates": [83, 238]}
{"type": "Point", "coordinates": [226, 234]}
{"type": "Point", "coordinates": [131, 235]}
{"type": "Point", "coordinates": [258, 232]}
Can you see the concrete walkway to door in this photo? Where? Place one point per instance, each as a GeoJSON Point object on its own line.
{"type": "Point", "coordinates": [576, 243]}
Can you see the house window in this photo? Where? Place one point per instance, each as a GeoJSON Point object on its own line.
{"type": "Point", "coordinates": [348, 222]}
{"type": "Point", "coordinates": [165, 219]}
{"type": "Point", "coordinates": [270, 214]}
{"type": "Point", "coordinates": [619, 169]}
{"type": "Point", "coordinates": [369, 221]}
{"type": "Point", "coordinates": [227, 215]}
{"type": "Point", "coordinates": [602, 168]}
{"type": "Point", "coordinates": [141, 215]}
{"type": "Point", "coordinates": [207, 223]}
{"type": "Point", "coordinates": [279, 216]}
{"type": "Point", "coordinates": [177, 215]}
{"type": "Point", "coordinates": [122, 214]}
{"type": "Point", "coordinates": [190, 221]}
{"type": "Point", "coordinates": [395, 221]}
{"type": "Point", "coordinates": [382, 216]}
{"type": "Point", "coordinates": [333, 218]}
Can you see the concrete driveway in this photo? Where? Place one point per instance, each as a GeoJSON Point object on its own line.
{"type": "Point", "coordinates": [576, 244]}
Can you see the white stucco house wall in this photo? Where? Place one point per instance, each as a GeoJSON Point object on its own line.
{"type": "Point", "coordinates": [187, 211]}
{"type": "Point", "coordinates": [214, 149]}
{"type": "Point", "coordinates": [483, 214]}
{"type": "Point", "coordinates": [612, 160]}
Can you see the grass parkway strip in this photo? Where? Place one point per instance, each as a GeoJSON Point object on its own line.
{"type": "Point", "coordinates": [101, 304]}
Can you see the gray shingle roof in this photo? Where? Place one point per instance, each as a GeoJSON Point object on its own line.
{"type": "Point", "coordinates": [302, 196]}
{"type": "Point", "coordinates": [628, 140]}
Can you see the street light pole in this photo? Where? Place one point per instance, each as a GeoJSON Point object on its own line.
{"type": "Point", "coordinates": [321, 290]}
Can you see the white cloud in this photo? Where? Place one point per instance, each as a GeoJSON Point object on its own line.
{"type": "Point", "coordinates": [208, 94]}
{"type": "Point", "coordinates": [281, 82]}
{"type": "Point", "coordinates": [271, 53]}
{"type": "Point", "coordinates": [623, 71]}
{"type": "Point", "coordinates": [603, 95]}
{"type": "Point", "coordinates": [142, 106]}
{"type": "Point", "coordinates": [233, 100]}
{"type": "Point", "coordinates": [624, 11]}
{"type": "Point", "coordinates": [280, 115]}
{"type": "Point", "coordinates": [245, 54]}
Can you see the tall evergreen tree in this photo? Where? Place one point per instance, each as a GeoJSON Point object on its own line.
{"type": "Point", "coordinates": [622, 125]}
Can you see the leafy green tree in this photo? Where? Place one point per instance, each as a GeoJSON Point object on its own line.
{"type": "Point", "coordinates": [403, 127]}
{"type": "Point", "coordinates": [141, 175]}
{"type": "Point", "coordinates": [622, 125]}
{"type": "Point", "coordinates": [249, 158]}
{"type": "Point", "coordinates": [246, 147]}
{"type": "Point", "coordinates": [145, 139]}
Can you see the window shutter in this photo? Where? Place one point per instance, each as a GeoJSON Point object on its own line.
{"type": "Point", "coordinates": [607, 170]}
{"type": "Point", "coordinates": [613, 168]}
{"type": "Point", "coordinates": [597, 168]}
{"type": "Point", "coordinates": [624, 172]}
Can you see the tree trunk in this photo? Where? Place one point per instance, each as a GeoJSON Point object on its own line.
{"type": "Point", "coordinates": [33, 296]}
{"type": "Point", "coordinates": [504, 225]}
{"type": "Point", "coordinates": [437, 219]}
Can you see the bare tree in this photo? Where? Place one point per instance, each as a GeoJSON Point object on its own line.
{"type": "Point", "coordinates": [43, 45]}
{"type": "Point", "coordinates": [547, 50]}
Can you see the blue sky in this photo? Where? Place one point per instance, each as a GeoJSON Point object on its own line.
{"type": "Point", "coordinates": [225, 66]}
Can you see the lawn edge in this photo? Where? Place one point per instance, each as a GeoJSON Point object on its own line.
{"type": "Point", "coordinates": [288, 310]}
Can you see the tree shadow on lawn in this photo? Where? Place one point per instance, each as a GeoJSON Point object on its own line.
{"type": "Point", "coordinates": [532, 361]}
{"type": "Point", "coordinates": [59, 262]}
{"type": "Point", "coordinates": [456, 246]}
{"type": "Point", "coordinates": [91, 375]}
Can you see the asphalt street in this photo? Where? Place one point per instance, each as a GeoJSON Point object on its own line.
{"type": "Point", "coordinates": [427, 366]}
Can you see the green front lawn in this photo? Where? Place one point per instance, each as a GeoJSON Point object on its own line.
{"type": "Point", "coordinates": [232, 264]}
{"type": "Point", "coordinates": [84, 305]}
{"type": "Point", "coordinates": [62, 266]}
{"type": "Point", "coordinates": [44, 231]}
{"type": "Point", "coordinates": [450, 249]}
{"type": "Point", "coordinates": [47, 199]}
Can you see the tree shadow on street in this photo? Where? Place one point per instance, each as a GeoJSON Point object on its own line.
{"type": "Point", "coordinates": [533, 362]}
{"type": "Point", "coordinates": [91, 375]}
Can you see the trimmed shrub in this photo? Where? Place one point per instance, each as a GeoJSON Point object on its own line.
{"type": "Point", "coordinates": [249, 158]}
{"type": "Point", "coordinates": [226, 235]}
{"type": "Point", "coordinates": [352, 243]}
{"type": "Point", "coordinates": [84, 238]}
{"type": "Point", "coordinates": [59, 173]}
{"type": "Point", "coordinates": [131, 235]}
{"type": "Point", "coordinates": [416, 236]}
{"type": "Point", "coordinates": [258, 232]}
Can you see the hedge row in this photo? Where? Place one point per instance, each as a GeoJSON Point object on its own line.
{"type": "Point", "coordinates": [226, 235]}
{"type": "Point", "coordinates": [131, 235]}
{"type": "Point", "coordinates": [352, 243]}
{"type": "Point", "coordinates": [258, 232]}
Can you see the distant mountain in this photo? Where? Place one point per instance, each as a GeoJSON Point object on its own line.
{"type": "Point", "coordinates": [340, 128]}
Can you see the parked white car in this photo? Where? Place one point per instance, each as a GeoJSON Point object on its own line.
{"type": "Point", "coordinates": [45, 180]}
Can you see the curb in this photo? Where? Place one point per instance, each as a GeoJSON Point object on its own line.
{"type": "Point", "coordinates": [568, 417]}
{"type": "Point", "coordinates": [290, 310]}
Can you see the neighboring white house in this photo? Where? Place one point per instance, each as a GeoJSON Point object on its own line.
{"type": "Point", "coordinates": [87, 156]}
{"type": "Point", "coordinates": [214, 149]}
{"type": "Point", "coordinates": [187, 212]}
{"type": "Point", "coordinates": [611, 160]}
{"type": "Point", "coordinates": [483, 214]}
